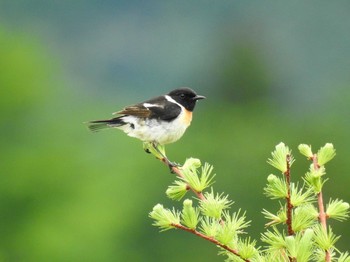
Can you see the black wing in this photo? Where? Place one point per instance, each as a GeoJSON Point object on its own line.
{"type": "Point", "coordinates": [166, 112]}
{"type": "Point", "coordinates": [159, 108]}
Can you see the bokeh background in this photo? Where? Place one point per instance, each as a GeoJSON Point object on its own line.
{"type": "Point", "coordinates": [271, 71]}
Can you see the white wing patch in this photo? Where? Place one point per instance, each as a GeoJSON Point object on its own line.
{"type": "Point", "coordinates": [148, 105]}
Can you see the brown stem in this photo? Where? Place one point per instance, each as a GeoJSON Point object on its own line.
{"type": "Point", "coordinates": [322, 214]}
{"type": "Point", "coordinates": [289, 203]}
{"type": "Point", "coordinates": [211, 239]}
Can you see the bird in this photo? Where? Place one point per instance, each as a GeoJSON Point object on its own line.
{"type": "Point", "coordinates": [160, 120]}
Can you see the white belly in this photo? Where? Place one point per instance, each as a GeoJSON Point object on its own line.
{"type": "Point", "coordinates": [153, 130]}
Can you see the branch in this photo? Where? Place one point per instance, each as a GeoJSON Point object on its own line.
{"type": "Point", "coordinates": [322, 214]}
{"type": "Point", "coordinates": [211, 239]}
{"type": "Point", "coordinates": [289, 203]}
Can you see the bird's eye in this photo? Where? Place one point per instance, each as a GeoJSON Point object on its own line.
{"type": "Point", "coordinates": [182, 95]}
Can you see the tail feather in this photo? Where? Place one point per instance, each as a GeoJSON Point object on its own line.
{"type": "Point", "coordinates": [98, 125]}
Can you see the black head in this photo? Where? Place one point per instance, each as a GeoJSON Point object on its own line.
{"type": "Point", "coordinates": [186, 97]}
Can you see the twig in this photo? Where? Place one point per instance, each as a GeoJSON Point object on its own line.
{"type": "Point", "coordinates": [289, 203]}
{"type": "Point", "coordinates": [213, 240]}
{"type": "Point", "coordinates": [322, 214]}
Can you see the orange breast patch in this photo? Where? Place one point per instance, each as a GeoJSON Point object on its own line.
{"type": "Point", "coordinates": [187, 117]}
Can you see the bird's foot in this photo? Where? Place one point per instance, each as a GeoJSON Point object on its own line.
{"type": "Point", "coordinates": [171, 164]}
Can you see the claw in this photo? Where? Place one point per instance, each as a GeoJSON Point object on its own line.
{"type": "Point", "coordinates": [174, 164]}
{"type": "Point", "coordinates": [170, 164]}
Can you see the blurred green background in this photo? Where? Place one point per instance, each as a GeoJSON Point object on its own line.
{"type": "Point", "coordinates": [271, 71]}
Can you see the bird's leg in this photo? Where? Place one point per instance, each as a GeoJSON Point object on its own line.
{"type": "Point", "coordinates": [161, 150]}
{"type": "Point", "coordinates": [158, 151]}
{"type": "Point", "coordinates": [152, 148]}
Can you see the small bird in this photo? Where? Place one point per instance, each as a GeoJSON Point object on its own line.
{"type": "Point", "coordinates": [160, 120]}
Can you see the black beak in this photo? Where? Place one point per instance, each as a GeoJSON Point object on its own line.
{"type": "Point", "coordinates": [198, 97]}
